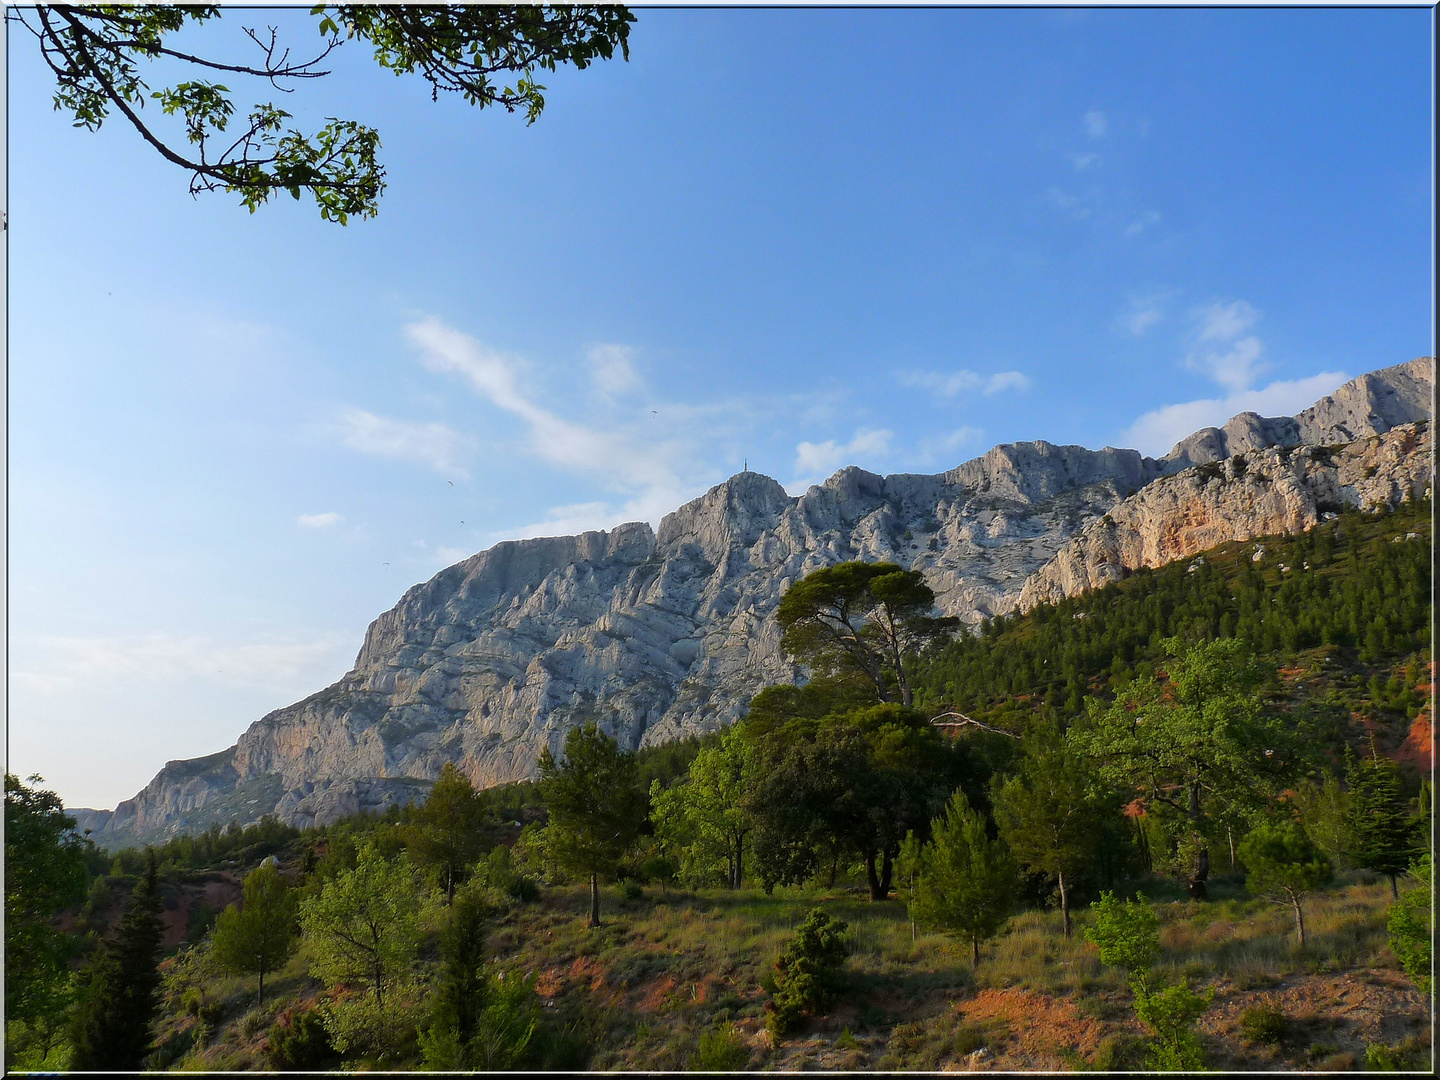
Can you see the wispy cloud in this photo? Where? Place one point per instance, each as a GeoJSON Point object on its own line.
{"type": "Point", "coordinates": [1084, 161]}
{"type": "Point", "coordinates": [1095, 123]}
{"type": "Point", "coordinates": [1159, 430]}
{"type": "Point", "coordinates": [434, 444]}
{"type": "Point", "coordinates": [950, 383]}
{"type": "Point", "coordinates": [615, 456]}
{"type": "Point", "coordinates": [1223, 350]}
{"type": "Point", "coordinates": [1075, 205]}
{"type": "Point", "coordinates": [318, 521]}
{"type": "Point", "coordinates": [1147, 219]}
{"type": "Point", "coordinates": [1143, 311]}
{"type": "Point", "coordinates": [815, 461]}
{"type": "Point", "coordinates": [165, 658]}
{"type": "Point", "coordinates": [612, 371]}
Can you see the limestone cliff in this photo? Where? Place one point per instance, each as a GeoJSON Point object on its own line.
{"type": "Point", "coordinates": [658, 634]}
{"type": "Point", "coordinates": [1266, 492]}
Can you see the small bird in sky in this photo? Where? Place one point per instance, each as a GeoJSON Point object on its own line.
{"type": "Point", "coordinates": [450, 482]}
{"type": "Point", "coordinates": [385, 564]}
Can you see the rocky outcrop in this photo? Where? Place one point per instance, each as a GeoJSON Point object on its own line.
{"type": "Point", "coordinates": [1265, 492]}
{"type": "Point", "coordinates": [1369, 405]}
{"type": "Point", "coordinates": [658, 634]}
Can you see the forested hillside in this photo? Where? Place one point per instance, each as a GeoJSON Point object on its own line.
{"type": "Point", "coordinates": [1183, 820]}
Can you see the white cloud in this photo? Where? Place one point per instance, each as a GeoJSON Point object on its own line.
{"type": "Point", "coordinates": [434, 444]}
{"type": "Point", "coordinates": [1096, 124]}
{"type": "Point", "coordinates": [1084, 161]}
{"type": "Point", "coordinates": [1143, 222]}
{"type": "Point", "coordinates": [945, 384]}
{"type": "Point", "coordinates": [1007, 380]}
{"type": "Point", "coordinates": [318, 521]}
{"type": "Point", "coordinates": [948, 384]}
{"type": "Point", "coordinates": [612, 370]}
{"type": "Point", "coordinates": [620, 459]}
{"type": "Point", "coordinates": [1143, 312]}
{"type": "Point", "coordinates": [1221, 352]}
{"type": "Point", "coordinates": [167, 658]}
{"type": "Point", "coordinates": [1158, 431]}
{"type": "Point", "coordinates": [815, 461]}
{"type": "Point", "coordinates": [1074, 205]}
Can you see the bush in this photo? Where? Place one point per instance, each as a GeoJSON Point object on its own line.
{"type": "Point", "coordinates": [523, 890]}
{"type": "Point", "coordinates": [299, 1043]}
{"type": "Point", "coordinates": [632, 890]}
{"type": "Point", "coordinates": [1171, 1014]}
{"type": "Point", "coordinates": [1409, 923]}
{"type": "Point", "coordinates": [1127, 933]}
{"type": "Point", "coordinates": [1264, 1024]}
{"type": "Point", "coordinates": [721, 1050]}
{"type": "Point", "coordinates": [808, 972]}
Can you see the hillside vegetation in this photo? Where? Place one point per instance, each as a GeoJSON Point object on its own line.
{"type": "Point", "coordinates": [1280, 859]}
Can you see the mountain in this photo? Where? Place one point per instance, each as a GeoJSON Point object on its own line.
{"type": "Point", "coordinates": [659, 634]}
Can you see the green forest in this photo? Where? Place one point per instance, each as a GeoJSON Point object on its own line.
{"type": "Point", "coordinates": [1156, 826]}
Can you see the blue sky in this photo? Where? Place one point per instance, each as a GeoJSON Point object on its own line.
{"type": "Point", "coordinates": [802, 238]}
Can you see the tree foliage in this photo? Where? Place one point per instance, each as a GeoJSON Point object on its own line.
{"type": "Point", "coordinates": [967, 881]}
{"type": "Point", "coordinates": [44, 872]}
{"type": "Point", "coordinates": [1197, 747]}
{"type": "Point", "coordinates": [258, 935]}
{"type": "Point", "coordinates": [704, 820]}
{"type": "Point", "coordinates": [1284, 865]}
{"type": "Point", "coordinates": [111, 1029]}
{"type": "Point", "coordinates": [1047, 814]}
{"type": "Point", "coordinates": [363, 926]}
{"type": "Point", "coordinates": [1411, 924]}
{"type": "Point", "coordinates": [808, 972]}
{"type": "Point", "coordinates": [597, 806]}
{"type": "Point", "coordinates": [96, 54]}
{"type": "Point", "coordinates": [481, 1020]}
{"type": "Point", "coordinates": [857, 621]}
{"type": "Point", "coordinates": [1382, 826]}
{"type": "Point", "coordinates": [450, 829]}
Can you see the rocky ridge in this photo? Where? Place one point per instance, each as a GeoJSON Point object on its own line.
{"type": "Point", "coordinates": [659, 634]}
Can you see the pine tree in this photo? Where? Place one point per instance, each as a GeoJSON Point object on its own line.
{"type": "Point", "coordinates": [112, 1026]}
{"type": "Point", "coordinates": [258, 935]}
{"type": "Point", "coordinates": [1382, 824]}
{"type": "Point", "coordinates": [967, 881]}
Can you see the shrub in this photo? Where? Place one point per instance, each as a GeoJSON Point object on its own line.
{"type": "Point", "coordinates": [1410, 923]}
{"type": "Point", "coordinates": [1263, 1024]}
{"type": "Point", "coordinates": [299, 1043]}
{"type": "Point", "coordinates": [1171, 1014]}
{"type": "Point", "coordinates": [808, 972]}
{"type": "Point", "coordinates": [721, 1050]}
{"type": "Point", "coordinates": [523, 889]}
{"type": "Point", "coordinates": [632, 890]}
{"type": "Point", "coordinates": [1127, 933]}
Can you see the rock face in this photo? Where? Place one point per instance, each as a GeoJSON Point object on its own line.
{"type": "Point", "coordinates": [1369, 405]}
{"type": "Point", "coordinates": [655, 635]}
{"type": "Point", "coordinates": [1260, 493]}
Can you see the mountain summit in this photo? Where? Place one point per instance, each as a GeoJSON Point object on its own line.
{"type": "Point", "coordinates": [659, 634]}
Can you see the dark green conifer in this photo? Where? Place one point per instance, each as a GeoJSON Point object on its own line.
{"type": "Point", "coordinates": [1382, 824]}
{"type": "Point", "coordinates": [112, 1025]}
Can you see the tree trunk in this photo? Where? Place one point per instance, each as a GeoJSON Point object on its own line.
{"type": "Point", "coordinates": [1064, 904]}
{"type": "Point", "coordinates": [975, 953]}
{"type": "Point", "coordinates": [872, 878]}
{"type": "Point", "coordinates": [887, 876]}
{"type": "Point", "coordinates": [1299, 919]}
{"type": "Point", "coordinates": [834, 868]}
{"type": "Point", "coordinates": [594, 899]}
{"type": "Point", "coordinates": [1229, 835]}
{"type": "Point", "coordinates": [1196, 887]}
{"type": "Point", "coordinates": [260, 997]}
{"type": "Point", "coordinates": [1394, 888]}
